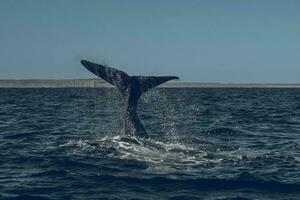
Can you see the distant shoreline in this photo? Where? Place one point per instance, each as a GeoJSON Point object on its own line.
{"type": "Point", "coordinates": [98, 83]}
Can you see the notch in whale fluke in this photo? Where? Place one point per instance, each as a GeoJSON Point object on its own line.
{"type": "Point", "coordinates": [132, 87]}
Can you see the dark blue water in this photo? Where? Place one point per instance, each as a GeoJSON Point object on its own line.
{"type": "Point", "coordinates": [205, 144]}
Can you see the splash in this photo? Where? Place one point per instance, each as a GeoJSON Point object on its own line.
{"type": "Point", "coordinates": [158, 156]}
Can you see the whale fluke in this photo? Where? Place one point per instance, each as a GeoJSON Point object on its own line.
{"type": "Point", "coordinates": [132, 87]}
{"type": "Point", "coordinates": [149, 82]}
{"type": "Point", "coordinates": [113, 76]}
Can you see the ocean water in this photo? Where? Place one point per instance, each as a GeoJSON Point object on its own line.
{"type": "Point", "coordinates": [204, 144]}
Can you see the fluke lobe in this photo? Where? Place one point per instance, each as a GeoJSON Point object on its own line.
{"type": "Point", "coordinates": [132, 87]}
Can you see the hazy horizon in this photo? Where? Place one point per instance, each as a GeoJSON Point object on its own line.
{"type": "Point", "coordinates": [199, 41]}
{"type": "Point", "coordinates": [37, 82]}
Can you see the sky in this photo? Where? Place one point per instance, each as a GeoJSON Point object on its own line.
{"type": "Point", "coordinates": [225, 41]}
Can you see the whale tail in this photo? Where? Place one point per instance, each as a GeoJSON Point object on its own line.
{"type": "Point", "coordinates": [132, 87]}
{"type": "Point", "coordinates": [121, 80]}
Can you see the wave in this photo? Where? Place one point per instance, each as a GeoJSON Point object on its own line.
{"type": "Point", "coordinates": [165, 157]}
{"type": "Point", "coordinates": [162, 157]}
{"type": "Point", "coordinates": [27, 197]}
{"type": "Point", "coordinates": [203, 183]}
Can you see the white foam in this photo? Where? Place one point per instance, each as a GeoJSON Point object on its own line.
{"type": "Point", "coordinates": [160, 157]}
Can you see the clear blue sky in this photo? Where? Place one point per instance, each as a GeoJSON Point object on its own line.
{"type": "Point", "coordinates": [238, 41]}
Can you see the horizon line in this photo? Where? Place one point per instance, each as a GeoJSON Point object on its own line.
{"type": "Point", "coordinates": [172, 81]}
{"type": "Point", "coordinates": [99, 83]}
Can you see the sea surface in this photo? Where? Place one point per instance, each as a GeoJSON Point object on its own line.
{"type": "Point", "coordinates": [205, 143]}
